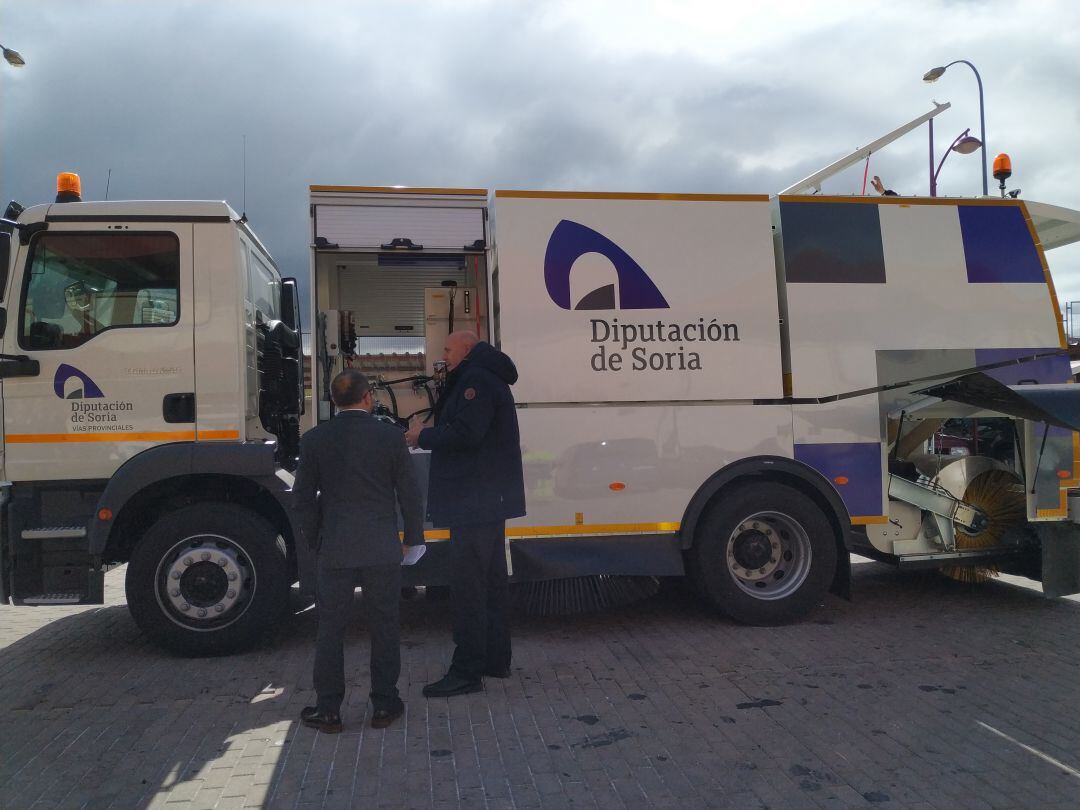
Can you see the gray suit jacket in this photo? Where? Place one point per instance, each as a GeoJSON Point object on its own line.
{"type": "Point", "coordinates": [354, 473]}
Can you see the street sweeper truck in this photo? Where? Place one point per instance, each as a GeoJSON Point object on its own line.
{"type": "Point", "coordinates": [741, 389]}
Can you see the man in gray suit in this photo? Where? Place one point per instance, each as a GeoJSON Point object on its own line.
{"type": "Point", "coordinates": [354, 473]}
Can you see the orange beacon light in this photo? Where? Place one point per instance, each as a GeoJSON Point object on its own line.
{"type": "Point", "coordinates": [68, 187]}
{"type": "Point", "coordinates": [1003, 171]}
{"type": "Point", "coordinates": [1002, 167]}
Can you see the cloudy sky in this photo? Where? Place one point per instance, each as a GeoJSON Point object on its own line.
{"type": "Point", "coordinates": [677, 96]}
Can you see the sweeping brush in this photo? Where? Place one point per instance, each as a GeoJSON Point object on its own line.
{"type": "Point", "coordinates": [563, 597]}
{"type": "Point", "coordinates": [999, 494]}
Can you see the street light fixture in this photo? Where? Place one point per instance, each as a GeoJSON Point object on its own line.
{"type": "Point", "coordinates": [933, 75]}
{"type": "Point", "coordinates": [965, 144]}
{"type": "Point", "coordinates": [14, 58]}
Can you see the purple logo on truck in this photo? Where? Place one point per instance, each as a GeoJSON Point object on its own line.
{"type": "Point", "coordinates": [70, 383]}
{"type": "Point", "coordinates": [572, 240]}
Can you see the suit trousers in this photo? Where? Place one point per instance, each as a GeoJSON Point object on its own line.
{"type": "Point", "coordinates": [381, 586]}
{"type": "Point", "coordinates": [478, 595]}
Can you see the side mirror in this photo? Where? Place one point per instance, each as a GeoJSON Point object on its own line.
{"type": "Point", "coordinates": [290, 303]}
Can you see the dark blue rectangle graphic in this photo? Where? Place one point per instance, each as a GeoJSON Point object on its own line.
{"type": "Point", "coordinates": [837, 243]}
{"type": "Point", "coordinates": [998, 247]}
{"type": "Point", "coordinates": [853, 469]}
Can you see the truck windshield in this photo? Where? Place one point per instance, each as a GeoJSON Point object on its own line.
{"type": "Point", "coordinates": [81, 284]}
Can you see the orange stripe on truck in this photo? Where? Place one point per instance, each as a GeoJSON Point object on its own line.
{"type": "Point", "coordinates": [81, 438]}
{"type": "Point", "coordinates": [117, 437]}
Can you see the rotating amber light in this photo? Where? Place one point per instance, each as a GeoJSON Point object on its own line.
{"type": "Point", "coordinates": [68, 181]}
{"type": "Point", "coordinates": [68, 187]}
{"type": "Point", "coordinates": [1002, 167]}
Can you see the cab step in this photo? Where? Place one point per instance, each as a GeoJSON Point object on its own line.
{"type": "Point", "coordinates": [54, 599]}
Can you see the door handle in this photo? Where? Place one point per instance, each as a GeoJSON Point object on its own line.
{"type": "Point", "coordinates": [18, 365]}
{"type": "Point", "coordinates": [177, 408]}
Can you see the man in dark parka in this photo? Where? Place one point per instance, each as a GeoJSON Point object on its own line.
{"type": "Point", "coordinates": [476, 483]}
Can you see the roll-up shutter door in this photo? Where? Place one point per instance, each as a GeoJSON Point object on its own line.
{"type": "Point", "coordinates": [370, 226]}
{"type": "Point", "coordinates": [383, 300]}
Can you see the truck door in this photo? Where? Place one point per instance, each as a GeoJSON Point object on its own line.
{"type": "Point", "coordinates": [105, 310]}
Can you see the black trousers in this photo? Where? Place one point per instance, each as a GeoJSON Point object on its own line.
{"type": "Point", "coordinates": [334, 594]}
{"type": "Point", "coordinates": [478, 595]}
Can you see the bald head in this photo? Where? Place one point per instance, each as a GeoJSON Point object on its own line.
{"type": "Point", "coordinates": [349, 388]}
{"type": "Point", "coordinates": [458, 346]}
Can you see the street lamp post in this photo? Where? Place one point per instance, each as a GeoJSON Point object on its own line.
{"type": "Point", "coordinates": [964, 144]}
{"type": "Point", "coordinates": [933, 75]}
{"type": "Point", "coordinates": [14, 58]}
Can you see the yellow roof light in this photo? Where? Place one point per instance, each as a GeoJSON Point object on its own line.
{"type": "Point", "coordinates": [68, 187]}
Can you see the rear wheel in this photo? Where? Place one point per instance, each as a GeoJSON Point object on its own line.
{"type": "Point", "coordinates": [764, 554]}
{"type": "Point", "coordinates": [208, 579]}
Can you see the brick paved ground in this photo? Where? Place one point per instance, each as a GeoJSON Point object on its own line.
{"type": "Point", "coordinates": [922, 693]}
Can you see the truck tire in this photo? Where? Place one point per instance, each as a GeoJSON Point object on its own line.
{"type": "Point", "coordinates": [764, 554]}
{"type": "Point", "coordinates": [208, 579]}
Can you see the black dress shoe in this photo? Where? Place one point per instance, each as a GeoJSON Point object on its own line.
{"type": "Point", "coordinates": [382, 718]}
{"type": "Point", "coordinates": [450, 685]}
{"type": "Point", "coordinates": [327, 722]}
{"type": "Point", "coordinates": [497, 673]}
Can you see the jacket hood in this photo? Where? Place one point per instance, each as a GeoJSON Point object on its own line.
{"type": "Point", "coordinates": [486, 356]}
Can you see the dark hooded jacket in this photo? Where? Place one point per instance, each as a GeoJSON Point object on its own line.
{"type": "Point", "coordinates": [476, 474]}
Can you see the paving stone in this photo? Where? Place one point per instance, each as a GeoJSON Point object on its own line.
{"type": "Point", "coordinates": [920, 693]}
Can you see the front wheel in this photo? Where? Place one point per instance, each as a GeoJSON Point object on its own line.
{"type": "Point", "coordinates": [208, 579]}
{"type": "Point", "coordinates": [764, 554]}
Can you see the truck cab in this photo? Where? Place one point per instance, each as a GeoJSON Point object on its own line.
{"type": "Point", "coordinates": [150, 387]}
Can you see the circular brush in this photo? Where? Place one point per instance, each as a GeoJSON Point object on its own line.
{"type": "Point", "coordinates": [563, 597]}
{"type": "Point", "coordinates": [999, 494]}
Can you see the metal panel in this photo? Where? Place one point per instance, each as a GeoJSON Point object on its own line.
{"type": "Point", "coordinates": [927, 303]}
{"type": "Point", "coordinates": [660, 454]}
{"type": "Point", "coordinates": [639, 299]}
{"type": "Point", "coordinates": [369, 226]}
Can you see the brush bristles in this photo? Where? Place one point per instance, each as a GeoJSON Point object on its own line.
{"type": "Point", "coordinates": [563, 597]}
{"type": "Point", "coordinates": [999, 495]}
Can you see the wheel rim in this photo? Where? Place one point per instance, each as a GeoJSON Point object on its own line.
{"type": "Point", "coordinates": [205, 582]}
{"type": "Point", "coordinates": [768, 555]}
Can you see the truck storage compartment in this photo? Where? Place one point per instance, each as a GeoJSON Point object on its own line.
{"type": "Point", "coordinates": [395, 271]}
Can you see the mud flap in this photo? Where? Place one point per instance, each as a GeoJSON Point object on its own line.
{"type": "Point", "coordinates": [1060, 558]}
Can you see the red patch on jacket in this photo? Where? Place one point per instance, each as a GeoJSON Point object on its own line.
{"type": "Point", "coordinates": [470, 393]}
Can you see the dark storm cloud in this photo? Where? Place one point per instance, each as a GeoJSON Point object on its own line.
{"type": "Point", "coordinates": [492, 94]}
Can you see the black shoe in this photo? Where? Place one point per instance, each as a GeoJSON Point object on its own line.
{"type": "Point", "coordinates": [327, 722]}
{"type": "Point", "coordinates": [497, 673]}
{"type": "Point", "coordinates": [450, 685]}
{"type": "Point", "coordinates": [381, 718]}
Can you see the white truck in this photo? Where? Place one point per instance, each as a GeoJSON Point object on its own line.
{"type": "Point", "coordinates": [739, 388]}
